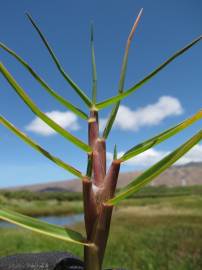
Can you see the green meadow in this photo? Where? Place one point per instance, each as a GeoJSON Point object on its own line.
{"type": "Point", "coordinates": [160, 228]}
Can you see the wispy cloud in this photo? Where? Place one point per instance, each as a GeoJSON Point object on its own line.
{"type": "Point", "coordinates": [64, 119]}
{"type": "Point", "coordinates": [150, 115]}
{"type": "Point", "coordinates": [151, 156]}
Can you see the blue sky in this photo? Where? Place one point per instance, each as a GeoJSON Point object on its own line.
{"type": "Point", "coordinates": [165, 27]}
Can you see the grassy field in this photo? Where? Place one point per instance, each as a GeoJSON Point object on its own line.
{"type": "Point", "coordinates": [60, 203]}
{"type": "Point", "coordinates": [42, 204]}
{"type": "Point", "coordinates": [151, 232]}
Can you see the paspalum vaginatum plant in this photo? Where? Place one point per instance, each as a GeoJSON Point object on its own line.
{"type": "Point", "coordinates": [99, 182]}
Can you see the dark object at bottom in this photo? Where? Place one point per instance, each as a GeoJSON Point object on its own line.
{"type": "Point", "coordinates": [43, 261]}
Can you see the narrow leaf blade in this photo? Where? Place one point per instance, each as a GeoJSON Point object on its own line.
{"type": "Point", "coordinates": [114, 111]}
{"type": "Point", "coordinates": [161, 137]}
{"type": "Point", "coordinates": [110, 120]}
{"type": "Point", "coordinates": [126, 93]}
{"type": "Point", "coordinates": [115, 152]}
{"type": "Point", "coordinates": [38, 148]}
{"type": "Point", "coordinates": [147, 176]}
{"type": "Point", "coordinates": [45, 86]}
{"type": "Point", "coordinates": [89, 168]}
{"type": "Point", "coordinates": [39, 113]}
{"type": "Point", "coordinates": [94, 71]}
{"type": "Point", "coordinates": [125, 58]}
{"type": "Point", "coordinates": [42, 227]}
{"type": "Point", "coordinates": [58, 65]}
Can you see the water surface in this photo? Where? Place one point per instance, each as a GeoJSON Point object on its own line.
{"type": "Point", "coordinates": [56, 220]}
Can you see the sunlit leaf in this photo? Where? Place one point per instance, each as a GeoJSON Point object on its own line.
{"type": "Point", "coordinates": [126, 93]}
{"type": "Point", "coordinates": [42, 227]}
{"type": "Point", "coordinates": [59, 98]}
{"type": "Point", "coordinates": [38, 148]}
{"type": "Point", "coordinates": [161, 137]}
{"type": "Point", "coordinates": [151, 173]}
{"type": "Point", "coordinates": [18, 89]}
{"type": "Point", "coordinates": [114, 111]}
{"type": "Point", "coordinates": [94, 72]}
{"type": "Point", "coordinates": [58, 65]}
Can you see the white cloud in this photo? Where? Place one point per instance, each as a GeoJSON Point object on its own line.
{"type": "Point", "coordinates": [147, 158]}
{"type": "Point", "coordinates": [144, 159]}
{"type": "Point", "coordinates": [194, 155]}
{"type": "Point", "coordinates": [151, 156]}
{"type": "Point", "coordinates": [64, 119]}
{"type": "Point", "coordinates": [150, 115]}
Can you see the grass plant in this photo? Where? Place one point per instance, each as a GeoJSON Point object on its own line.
{"type": "Point", "coordinates": [99, 182]}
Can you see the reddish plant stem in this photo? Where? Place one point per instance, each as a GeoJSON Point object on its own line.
{"type": "Point", "coordinates": [95, 193]}
{"type": "Point", "coordinates": [93, 128]}
{"type": "Point", "coordinates": [110, 181]}
{"type": "Point", "coordinates": [90, 209]}
{"type": "Point", "coordinates": [99, 162]}
{"type": "Point", "coordinates": [101, 148]}
{"type": "Point", "coordinates": [99, 232]}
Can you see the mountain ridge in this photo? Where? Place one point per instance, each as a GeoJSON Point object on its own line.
{"type": "Point", "coordinates": [181, 175]}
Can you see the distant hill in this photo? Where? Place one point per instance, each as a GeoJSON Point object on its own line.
{"type": "Point", "coordinates": [186, 175]}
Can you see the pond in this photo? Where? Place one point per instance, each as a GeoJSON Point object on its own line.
{"type": "Point", "coordinates": [57, 220]}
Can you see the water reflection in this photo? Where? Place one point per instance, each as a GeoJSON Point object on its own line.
{"type": "Point", "coordinates": [57, 220]}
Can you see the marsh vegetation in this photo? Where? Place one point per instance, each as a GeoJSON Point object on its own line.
{"type": "Point", "coordinates": [162, 224]}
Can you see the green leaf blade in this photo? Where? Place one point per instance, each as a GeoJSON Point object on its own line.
{"type": "Point", "coordinates": [161, 137]}
{"type": "Point", "coordinates": [110, 120]}
{"type": "Point", "coordinates": [147, 176]}
{"type": "Point", "coordinates": [27, 100]}
{"type": "Point", "coordinates": [38, 148]}
{"type": "Point", "coordinates": [114, 111]}
{"type": "Point", "coordinates": [80, 92]}
{"type": "Point", "coordinates": [115, 152]}
{"type": "Point", "coordinates": [89, 168]}
{"type": "Point", "coordinates": [94, 70]}
{"type": "Point", "coordinates": [42, 227]}
{"type": "Point", "coordinates": [126, 93]}
{"type": "Point", "coordinates": [45, 86]}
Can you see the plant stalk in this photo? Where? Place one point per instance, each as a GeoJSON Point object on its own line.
{"type": "Point", "coordinates": [96, 192]}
